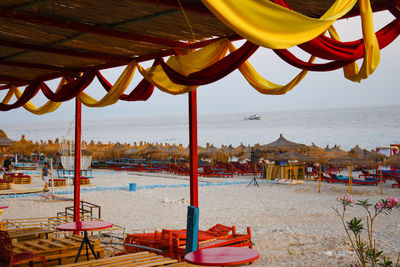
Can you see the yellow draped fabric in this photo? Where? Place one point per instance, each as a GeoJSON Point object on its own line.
{"type": "Point", "coordinates": [372, 52]}
{"type": "Point", "coordinates": [267, 24]}
{"type": "Point", "coordinates": [49, 107]}
{"type": "Point", "coordinates": [185, 65]}
{"type": "Point", "coordinates": [8, 96]}
{"type": "Point", "coordinates": [115, 92]}
{"type": "Point", "coordinates": [264, 86]}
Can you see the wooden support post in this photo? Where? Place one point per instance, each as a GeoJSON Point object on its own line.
{"type": "Point", "coordinates": [77, 186]}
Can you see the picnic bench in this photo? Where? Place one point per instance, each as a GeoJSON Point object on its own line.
{"type": "Point", "coordinates": [135, 259]}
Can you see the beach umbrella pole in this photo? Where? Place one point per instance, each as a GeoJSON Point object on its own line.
{"type": "Point", "coordinates": [319, 178]}
{"type": "Point", "coordinates": [380, 176]}
{"type": "Point", "coordinates": [52, 178]}
{"type": "Point", "coordinates": [193, 210]}
{"type": "Point", "coordinates": [77, 186]}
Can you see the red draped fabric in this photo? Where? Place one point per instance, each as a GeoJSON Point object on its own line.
{"type": "Point", "coordinates": [291, 59]}
{"type": "Point", "coordinates": [214, 72]}
{"type": "Point", "coordinates": [29, 92]}
{"type": "Point", "coordinates": [331, 49]}
{"type": "Point", "coordinates": [142, 91]}
{"type": "Point", "coordinates": [71, 89]}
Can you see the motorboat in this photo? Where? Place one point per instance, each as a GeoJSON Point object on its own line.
{"type": "Point", "coordinates": [253, 117]}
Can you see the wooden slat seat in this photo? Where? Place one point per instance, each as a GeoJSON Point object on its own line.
{"type": "Point", "coordinates": [139, 259]}
{"type": "Point", "coordinates": [28, 232]}
{"type": "Point", "coordinates": [57, 250]}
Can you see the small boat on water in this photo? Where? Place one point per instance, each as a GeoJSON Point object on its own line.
{"type": "Point", "coordinates": [253, 117]}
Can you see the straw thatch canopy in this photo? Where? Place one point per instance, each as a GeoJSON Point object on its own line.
{"type": "Point", "coordinates": [43, 39]}
{"type": "Point", "coordinates": [4, 140]}
{"type": "Point", "coordinates": [213, 153]}
{"type": "Point", "coordinates": [369, 157]}
{"type": "Point", "coordinates": [280, 144]}
{"type": "Point", "coordinates": [22, 147]}
{"type": "Point", "coordinates": [289, 155]}
{"type": "Point", "coordinates": [393, 160]}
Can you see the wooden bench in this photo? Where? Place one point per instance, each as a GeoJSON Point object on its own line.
{"type": "Point", "coordinates": [30, 232]}
{"type": "Point", "coordinates": [84, 181]}
{"type": "Point", "coordinates": [58, 250]}
{"type": "Point", "coordinates": [135, 259]}
{"type": "Point", "coordinates": [4, 185]}
{"type": "Point", "coordinates": [58, 182]}
{"type": "Point", "coordinates": [21, 179]}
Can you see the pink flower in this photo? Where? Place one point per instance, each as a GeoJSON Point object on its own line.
{"type": "Point", "coordinates": [338, 198]}
{"type": "Point", "coordinates": [379, 206]}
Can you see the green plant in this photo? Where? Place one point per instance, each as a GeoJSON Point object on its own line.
{"type": "Point", "coordinates": [365, 248]}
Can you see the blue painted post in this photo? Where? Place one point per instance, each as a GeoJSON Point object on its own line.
{"type": "Point", "coordinates": [192, 229]}
{"type": "Point", "coordinates": [132, 187]}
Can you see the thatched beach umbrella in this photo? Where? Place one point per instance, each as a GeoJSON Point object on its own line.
{"type": "Point", "coordinates": [393, 160]}
{"type": "Point", "coordinates": [4, 141]}
{"type": "Point", "coordinates": [280, 144]}
{"type": "Point", "coordinates": [22, 146]}
{"type": "Point", "coordinates": [214, 154]}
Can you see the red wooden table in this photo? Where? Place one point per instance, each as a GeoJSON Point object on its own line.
{"type": "Point", "coordinates": [84, 226]}
{"type": "Point", "coordinates": [222, 256]}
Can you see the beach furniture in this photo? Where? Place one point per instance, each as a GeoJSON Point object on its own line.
{"type": "Point", "coordinates": [20, 178]}
{"type": "Point", "coordinates": [85, 226]}
{"type": "Point", "coordinates": [29, 233]}
{"type": "Point", "coordinates": [134, 259]}
{"type": "Point", "coordinates": [4, 185]}
{"type": "Point", "coordinates": [397, 184]}
{"type": "Point", "coordinates": [58, 250]}
{"type": "Point", "coordinates": [222, 256]}
{"type": "Point", "coordinates": [172, 243]}
{"type": "Point", "coordinates": [58, 182]}
{"type": "Point", "coordinates": [10, 257]}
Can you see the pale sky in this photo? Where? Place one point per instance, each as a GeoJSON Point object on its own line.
{"type": "Point", "coordinates": [233, 93]}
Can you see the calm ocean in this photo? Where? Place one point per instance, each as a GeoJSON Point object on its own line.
{"type": "Point", "coordinates": [368, 127]}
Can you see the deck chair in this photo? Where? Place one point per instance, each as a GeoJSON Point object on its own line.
{"type": "Point", "coordinates": [8, 257]}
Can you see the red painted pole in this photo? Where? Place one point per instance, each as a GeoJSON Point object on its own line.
{"type": "Point", "coordinates": [77, 186]}
{"type": "Point", "coordinates": [194, 195]}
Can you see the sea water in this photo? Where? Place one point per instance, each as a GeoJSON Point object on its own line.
{"type": "Point", "coordinates": [368, 127]}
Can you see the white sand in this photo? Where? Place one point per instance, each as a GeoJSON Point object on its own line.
{"type": "Point", "coordinates": [291, 225]}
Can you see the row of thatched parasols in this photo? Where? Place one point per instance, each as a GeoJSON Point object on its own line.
{"type": "Point", "coordinates": [279, 150]}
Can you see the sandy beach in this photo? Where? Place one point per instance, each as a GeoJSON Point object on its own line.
{"type": "Point", "coordinates": [291, 225]}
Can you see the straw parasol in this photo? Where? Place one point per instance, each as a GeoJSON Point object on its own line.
{"type": "Point", "coordinates": [4, 140]}
{"type": "Point", "coordinates": [393, 160]}
{"type": "Point", "coordinates": [214, 154]}
{"type": "Point", "coordinates": [280, 144]}
{"type": "Point", "coordinates": [22, 146]}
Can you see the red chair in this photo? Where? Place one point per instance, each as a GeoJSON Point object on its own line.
{"type": "Point", "coordinates": [7, 255]}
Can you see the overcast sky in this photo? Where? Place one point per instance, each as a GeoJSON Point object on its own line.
{"type": "Point", "coordinates": [233, 94]}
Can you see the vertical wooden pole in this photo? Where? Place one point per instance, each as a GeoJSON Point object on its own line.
{"type": "Point", "coordinates": [194, 196]}
{"type": "Point", "coordinates": [350, 178]}
{"type": "Point", "coordinates": [319, 180]}
{"type": "Point", "coordinates": [380, 176]}
{"type": "Point", "coordinates": [77, 186]}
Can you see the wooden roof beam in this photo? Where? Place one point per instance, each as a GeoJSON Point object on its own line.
{"type": "Point", "coordinates": [87, 28]}
{"type": "Point", "coordinates": [67, 52]}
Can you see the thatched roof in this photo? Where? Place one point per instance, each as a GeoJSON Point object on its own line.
{"type": "Point", "coordinates": [4, 140]}
{"type": "Point", "coordinates": [280, 144]}
{"type": "Point", "coordinates": [42, 39]}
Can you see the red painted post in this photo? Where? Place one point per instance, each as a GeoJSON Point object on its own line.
{"type": "Point", "coordinates": [194, 195]}
{"type": "Point", "coordinates": [77, 186]}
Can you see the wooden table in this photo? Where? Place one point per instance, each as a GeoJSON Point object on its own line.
{"type": "Point", "coordinates": [30, 231]}
{"type": "Point", "coordinates": [84, 226]}
{"type": "Point", "coordinates": [222, 256]}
